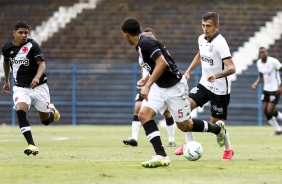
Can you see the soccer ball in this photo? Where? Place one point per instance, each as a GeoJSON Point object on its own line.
{"type": "Point", "coordinates": [193, 150]}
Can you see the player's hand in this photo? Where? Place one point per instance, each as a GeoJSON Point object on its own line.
{"type": "Point", "coordinates": [6, 88]}
{"type": "Point", "coordinates": [141, 83]}
{"type": "Point", "coordinates": [34, 82]}
{"type": "Point", "coordinates": [279, 90]}
{"type": "Point", "coordinates": [211, 78]}
{"type": "Point", "coordinates": [144, 92]}
{"type": "Point", "coordinates": [254, 86]}
{"type": "Point", "coordinates": [187, 76]}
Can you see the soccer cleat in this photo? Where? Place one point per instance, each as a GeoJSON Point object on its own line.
{"type": "Point", "coordinates": [131, 142]}
{"type": "Point", "coordinates": [179, 151]}
{"type": "Point", "coordinates": [56, 114]}
{"type": "Point", "coordinates": [227, 155]}
{"type": "Point", "coordinates": [31, 149]}
{"type": "Point", "coordinates": [157, 161]}
{"type": "Point", "coordinates": [171, 144]}
{"type": "Point", "coordinates": [277, 133]}
{"type": "Point", "coordinates": [221, 136]}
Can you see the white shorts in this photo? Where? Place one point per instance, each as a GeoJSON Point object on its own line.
{"type": "Point", "coordinates": [175, 98]}
{"type": "Point", "coordinates": [39, 97]}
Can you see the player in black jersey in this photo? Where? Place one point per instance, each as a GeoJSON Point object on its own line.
{"type": "Point", "coordinates": [165, 87]}
{"type": "Point", "coordinates": [136, 124]}
{"type": "Point", "coordinates": [27, 63]}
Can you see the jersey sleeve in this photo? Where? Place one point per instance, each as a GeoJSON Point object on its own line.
{"type": "Point", "coordinates": [223, 50]}
{"type": "Point", "coordinates": [154, 50]}
{"type": "Point", "coordinates": [277, 64]}
{"type": "Point", "coordinates": [4, 52]}
{"type": "Point", "coordinates": [38, 56]}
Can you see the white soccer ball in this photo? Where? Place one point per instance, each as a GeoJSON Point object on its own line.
{"type": "Point", "coordinates": [193, 150]}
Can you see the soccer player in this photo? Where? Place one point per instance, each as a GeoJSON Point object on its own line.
{"type": "Point", "coordinates": [268, 68]}
{"type": "Point", "coordinates": [165, 87]}
{"type": "Point", "coordinates": [27, 63]}
{"type": "Point", "coordinates": [136, 124]}
{"type": "Point", "coordinates": [216, 61]}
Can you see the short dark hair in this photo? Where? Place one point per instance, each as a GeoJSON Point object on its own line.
{"type": "Point", "coordinates": [211, 16]}
{"type": "Point", "coordinates": [262, 48]}
{"type": "Point", "coordinates": [21, 24]}
{"type": "Point", "coordinates": [148, 30]}
{"type": "Point", "coordinates": [131, 26]}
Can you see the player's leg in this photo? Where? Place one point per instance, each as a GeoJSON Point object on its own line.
{"type": "Point", "coordinates": [41, 101]}
{"type": "Point", "coordinates": [22, 103]}
{"type": "Point", "coordinates": [180, 109]}
{"type": "Point", "coordinates": [219, 105]}
{"type": "Point", "coordinates": [269, 101]}
{"type": "Point", "coordinates": [197, 97]}
{"type": "Point", "coordinates": [155, 103]}
{"type": "Point", "coordinates": [270, 111]}
{"type": "Point", "coordinates": [170, 128]}
{"type": "Point", "coordinates": [136, 124]}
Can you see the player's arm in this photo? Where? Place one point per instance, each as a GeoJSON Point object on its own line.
{"type": "Point", "coordinates": [40, 71]}
{"type": "Point", "coordinates": [230, 69]}
{"type": "Point", "coordinates": [6, 66]}
{"type": "Point", "coordinates": [161, 64]}
{"type": "Point", "coordinates": [196, 62]}
{"type": "Point", "coordinates": [259, 79]}
{"type": "Point", "coordinates": [145, 78]}
{"type": "Point", "coordinates": [279, 90]}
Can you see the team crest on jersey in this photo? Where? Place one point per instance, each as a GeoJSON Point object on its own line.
{"type": "Point", "coordinates": [16, 99]}
{"type": "Point", "coordinates": [25, 49]}
{"type": "Point", "coordinates": [211, 48]}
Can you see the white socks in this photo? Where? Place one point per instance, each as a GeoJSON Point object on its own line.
{"type": "Point", "coordinates": [279, 116]}
{"type": "Point", "coordinates": [135, 129]}
{"type": "Point", "coordinates": [274, 123]}
{"type": "Point", "coordinates": [189, 136]}
{"type": "Point", "coordinates": [227, 145]}
{"type": "Point", "coordinates": [170, 131]}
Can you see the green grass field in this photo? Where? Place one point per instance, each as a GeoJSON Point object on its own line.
{"type": "Point", "coordinates": [96, 154]}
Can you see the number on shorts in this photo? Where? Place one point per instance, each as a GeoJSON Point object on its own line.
{"type": "Point", "coordinates": [180, 113]}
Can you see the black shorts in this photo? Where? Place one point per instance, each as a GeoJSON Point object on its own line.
{"type": "Point", "coordinates": [270, 96]}
{"type": "Point", "coordinates": [139, 98]}
{"type": "Point", "coordinates": [219, 103]}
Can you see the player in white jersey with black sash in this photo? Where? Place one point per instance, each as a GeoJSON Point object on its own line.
{"type": "Point", "coordinates": [269, 69]}
{"type": "Point", "coordinates": [214, 87]}
{"type": "Point", "coordinates": [165, 87]}
{"type": "Point", "coordinates": [26, 60]}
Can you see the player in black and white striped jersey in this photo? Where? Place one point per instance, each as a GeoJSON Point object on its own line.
{"type": "Point", "coordinates": [23, 55]}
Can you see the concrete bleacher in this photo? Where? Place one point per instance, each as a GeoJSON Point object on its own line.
{"type": "Point", "coordinates": [34, 12]}
{"type": "Point", "coordinates": [96, 34]}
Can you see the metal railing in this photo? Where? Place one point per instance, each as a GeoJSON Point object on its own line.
{"type": "Point", "coordinates": [134, 71]}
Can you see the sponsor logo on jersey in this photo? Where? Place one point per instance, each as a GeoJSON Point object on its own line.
{"type": "Point", "coordinates": [207, 60]}
{"type": "Point", "coordinates": [24, 62]}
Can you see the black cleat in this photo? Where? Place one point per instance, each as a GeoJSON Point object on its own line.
{"type": "Point", "coordinates": [277, 133]}
{"type": "Point", "coordinates": [131, 142]}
